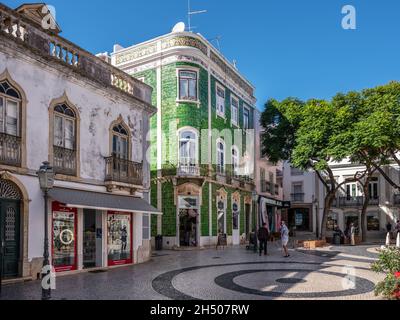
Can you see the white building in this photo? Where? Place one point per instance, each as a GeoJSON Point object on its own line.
{"type": "Point", "coordinates": [59, 103]}
{"type": "Point", "coordinates": [383, 207]}
{"type": "Point", "coordinates": [300, 189]}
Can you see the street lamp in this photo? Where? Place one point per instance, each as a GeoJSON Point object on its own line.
{"type": "Point", "coordinates": [257, 216]}
{"type": "Point", "coordinates": [46, 181]}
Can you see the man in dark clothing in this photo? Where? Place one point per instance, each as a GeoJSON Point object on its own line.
{"type": "Point", "coordinates": [263, 238]}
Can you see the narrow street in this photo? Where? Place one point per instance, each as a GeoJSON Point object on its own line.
{"type": "Point", "coordinates": [339, 273]}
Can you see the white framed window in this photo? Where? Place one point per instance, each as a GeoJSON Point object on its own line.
{"type": "Point", "coordinates": [374, 188]}
{"type": "Point", "coordinates": [64, 127]}
{"type": "Point", "coordinates": [10, 102]}
{"type": "Point", "coordinates": [234, 111]}
{"type": "Point", "coordinates": [220, 94]}
{"type": "Point", "coordinates": [120, 142]}
{"type": "Point", "coordinates": [246, 119]}
{"type": "Point", "coordinates": [235, 161]}
{"type": "Point", "coordinates": [352, 190]}
{"type": "Point", "coordinates": [188, 148]}
{"type": "Point", "coordinates": [220, 156]}
{"type": "Point", "coordinates": [188, 85]}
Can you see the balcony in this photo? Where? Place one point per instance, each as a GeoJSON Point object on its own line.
{"type": "Point", "coordinates": [64, 161]}
{"type": "Point", "coordinates": [10, 150]}
{"type": "Point", "coordinates": [354, 202]}
{"type": "Point", "coordinates": [123, 171]}
{"type": "Point", "coordinates": [297, 197]}
{"type": "Point", "coordinates": [188, 171]}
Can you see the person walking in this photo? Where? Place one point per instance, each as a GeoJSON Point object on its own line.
{"type": "Point", "coordinates": [397, 229]}
{"type": "Point", "coordinates": [353, 234]}
{"type": "Point", "coordinates": [389, 229]}
{"type": "Point", "coordinates": [285, 238]}
{"type": "Point", "coordinates": [263, 235]}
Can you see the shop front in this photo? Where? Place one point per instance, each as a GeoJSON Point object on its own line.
{"type": "Point", "coordinates": [95, 230]}
{"type": "Point", "coordinates": [270, 213]}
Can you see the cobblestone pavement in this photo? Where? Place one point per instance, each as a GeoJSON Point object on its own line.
{"type": "Point", "coordinates": [230, 274]}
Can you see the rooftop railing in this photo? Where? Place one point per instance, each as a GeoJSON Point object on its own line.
{"type": "Point", "coordinates": [51, 46]}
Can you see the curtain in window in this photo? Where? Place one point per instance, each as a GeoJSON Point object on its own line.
{"type": "Point", "coordinates": [58, 132]}
{"type": "Point", "coordinates": [188, 149]}
{"type": "Point", "coordinates": [69, 134]}
{"type": "Point", "coordinates": [12, 118]}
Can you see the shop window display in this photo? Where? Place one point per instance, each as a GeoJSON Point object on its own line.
{"type": "Point", "coordinates": [64, 238]}
{"type": "Point", "coordinates": [119, 238]}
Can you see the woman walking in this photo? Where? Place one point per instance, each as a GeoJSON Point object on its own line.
{"type": "Point", "coordinates": [285, 238]}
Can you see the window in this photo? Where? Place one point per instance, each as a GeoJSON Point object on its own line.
{"type": "Point", "coordinates": [64, 127]}
{"type": "Point", "coordinates": [373, 189]}
{"type": "Point", "coordinates": [221, 217]}
{"type": "Point", "coordinates": [246, 119]}
{"type": "Point", "coordinates": [220, 156]}
{"type": "Point", "coordinates": [373, 222]}
{"type": "Point", "coordinates": [235, 111]}
{"type": "Point", "coordinates": [188, 85]}
{"type": "Point", "coordinates": [64, 140]}
{"type": "Point", "coordinates": [188, 150]}
{"type": "Point", "coordinates": [352, 191]}
{"type": "Point", "coordinates": [235, 161]}
{"type": "Point", "coordinates": [9, 110]}
{"type": "Point", "coordinates": [220, 101]}
{"type": "Point", "coordinates": [120, 142]}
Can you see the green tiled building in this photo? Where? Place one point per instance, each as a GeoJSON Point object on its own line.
{"type": "Point", "coordinates": [202, 142]}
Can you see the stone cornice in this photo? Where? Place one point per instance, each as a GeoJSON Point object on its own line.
{"type": "Point", "coordinates": [158, 46]}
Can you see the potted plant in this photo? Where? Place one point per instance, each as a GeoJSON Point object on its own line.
{"type": "Point", "coordinates": [389, 264]}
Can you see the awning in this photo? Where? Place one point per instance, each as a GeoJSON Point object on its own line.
{"type": "Point", "coordinates": [101, 201]}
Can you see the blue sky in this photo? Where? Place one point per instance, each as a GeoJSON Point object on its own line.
{"type": "Point", "coordinates": [284, 47]}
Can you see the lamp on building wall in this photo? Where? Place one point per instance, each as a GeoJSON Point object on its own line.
{"type": "Point", "coordinates": [46, 181]}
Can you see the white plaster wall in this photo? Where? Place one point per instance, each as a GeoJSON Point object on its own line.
{"type": "Point", "coordinates": [308, 180]}
{"type": "Point", "coordinates": [97, 110]}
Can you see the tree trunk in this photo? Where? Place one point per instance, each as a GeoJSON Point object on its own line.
{"type": "Point", "coordinates": [367, 198]}
{"type": "Point", "coordinates": [327, 208]}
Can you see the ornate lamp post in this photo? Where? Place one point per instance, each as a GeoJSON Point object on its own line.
{"type": "Point", "coordinates": [257, 216]}
{"type": "Point", "coordinates": [46, 180]}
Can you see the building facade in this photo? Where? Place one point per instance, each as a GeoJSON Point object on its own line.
{"type": "Point", "coordinates": [269, 186]}
{"type": "Point", "coordinates": [202, 161]}
{"type": "Point", "coordinates": [299, 188]}
{"type": "Point", "coordinates": [383, 206]}
{"type": "Point", "coordinates": [89, 120]}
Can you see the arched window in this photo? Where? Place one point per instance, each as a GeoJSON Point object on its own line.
{"type": "Point", "coordinates": [188, 149]}
{"type": "Point", "coordinates": [235, 161]}
{"type": "Point", "coordinates": [10, 104]}
{"type": "Point", "coordinates": [120, 142]}
{"type": "Point", "coordinates": [64, 139]}
{"type": "Point", "coordinates": [10, 124]}
{"type": "Point", "coordinates": [220, 156]}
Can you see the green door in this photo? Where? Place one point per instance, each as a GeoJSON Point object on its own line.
{"type": "Point", "coordinates": [10, 237]}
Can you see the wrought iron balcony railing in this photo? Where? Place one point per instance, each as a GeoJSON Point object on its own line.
{"type": "Point", "coordinates": [10, 150]}
{"type": "Point", "coordinates": [354, 202]}
{"type": "Point", "coordinates": [64, 161]}
{"type": "Point", "coordinates": [297, 197]}
{"type": "Point", "coordinates": [188, 171]}
{"type": "Point", "coordinates": [124, 171]}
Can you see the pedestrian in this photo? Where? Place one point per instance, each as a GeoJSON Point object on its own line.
{"type": "Point", "coordinates": [389, 229]}
{"type": "Point", "coordinates": [397, 229]}
{"type": "Point", "coordinates": [353, 234]}
{"type": "Point", "coordinates": [263, 235]}
{"type": "Point", "coordinates": [285, 238]}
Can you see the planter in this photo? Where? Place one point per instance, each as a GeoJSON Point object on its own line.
{"type": "Point", "coordinates": [314, 244]}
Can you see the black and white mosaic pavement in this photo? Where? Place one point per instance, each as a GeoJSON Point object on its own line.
{"type": "Point", "coordinates": [232, 274]}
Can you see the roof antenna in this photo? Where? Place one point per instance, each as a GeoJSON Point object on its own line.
{"type": "Point", "coordinates": [217, 39]}
{"type": "Point", "coordinates": [190, 14]}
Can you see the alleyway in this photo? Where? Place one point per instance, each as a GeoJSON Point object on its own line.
{"type": "Point", "coordinates": [230, 274]}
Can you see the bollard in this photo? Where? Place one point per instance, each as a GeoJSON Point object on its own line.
{"type": "Point", "coordinates": [388, 240]}
{"type": "Point", "coordinates": [398, 240]}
